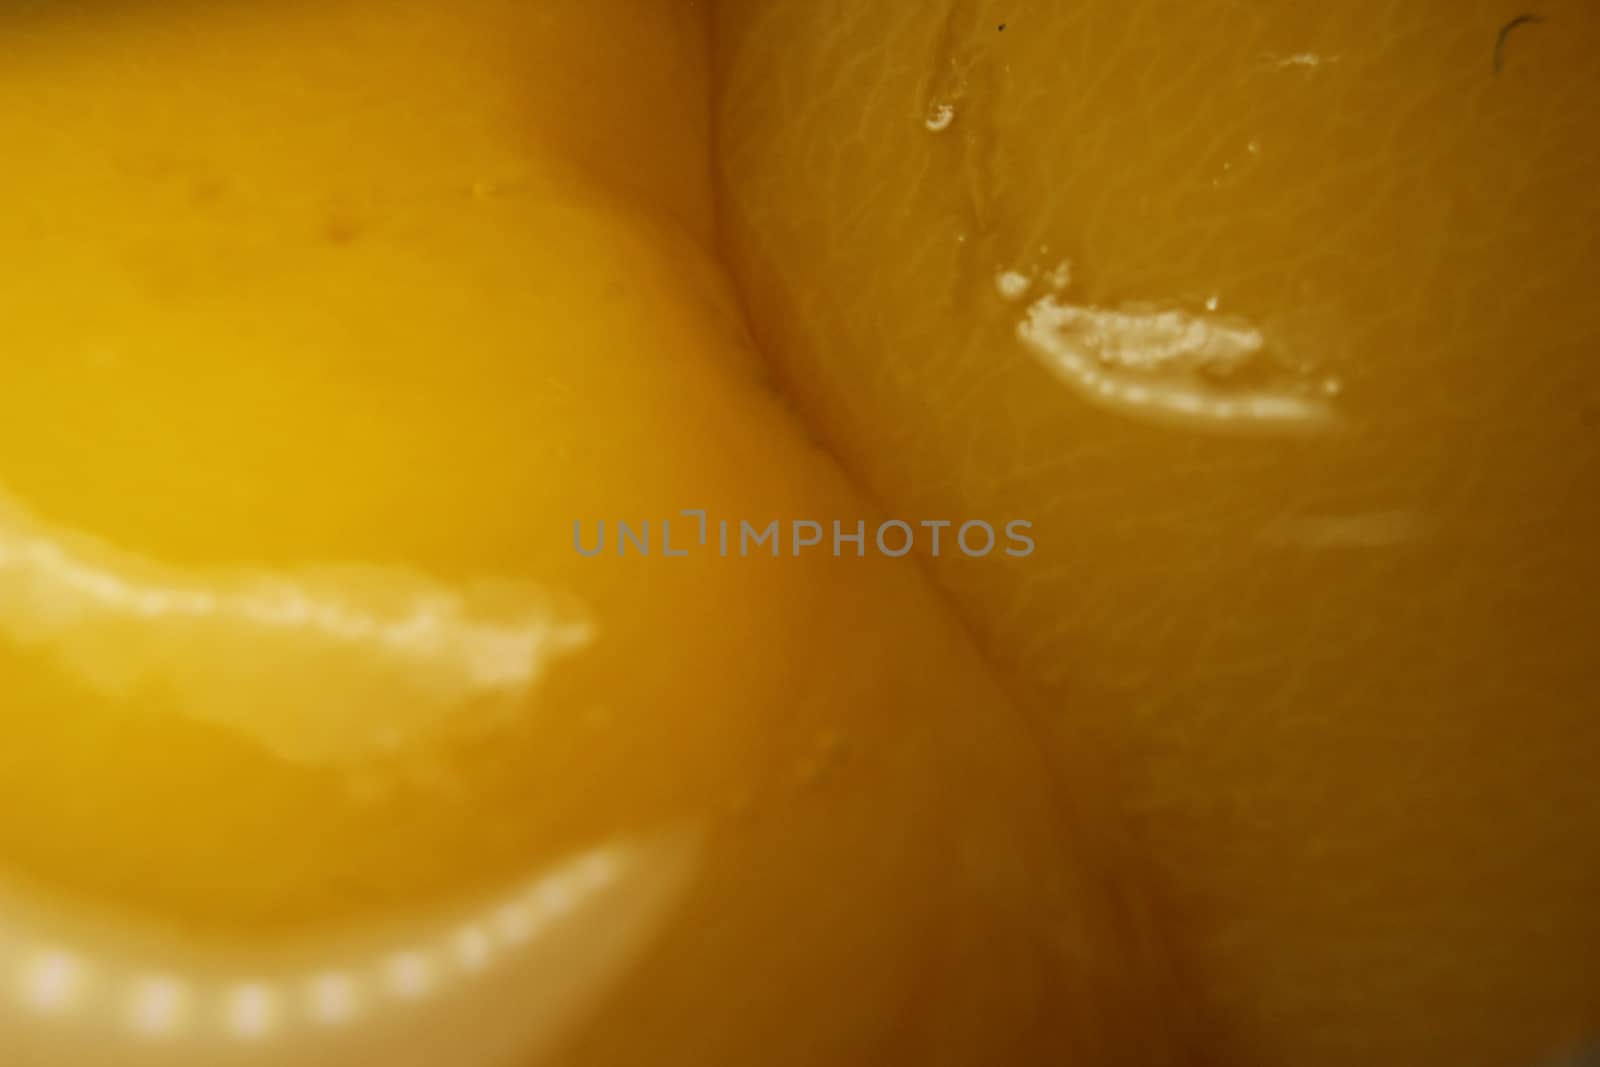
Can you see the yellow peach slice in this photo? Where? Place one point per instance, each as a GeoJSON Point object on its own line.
{"type": "Point", "coordinates": [335, 334]}
{"type": "Point", "coordinates": [1278, 321]}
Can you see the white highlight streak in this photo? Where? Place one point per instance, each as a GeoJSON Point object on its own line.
{"type": "Point", "coordinates": [297, 660]}
{"type": "Point", "coordinates": [1153, 362]}
{"type": "Point", "coordinates": [413, 994]}
{"type": "Point", "coordinates": [1306, 60]}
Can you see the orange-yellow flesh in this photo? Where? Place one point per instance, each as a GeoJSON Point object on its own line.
{"type": "Point", "coordinates": [325, 325]}
{"type": "Point", "coordinates": [1343, 676]}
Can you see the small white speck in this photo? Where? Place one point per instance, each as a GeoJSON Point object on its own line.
{"type": "Point", "coordinates": [1012, 284]}
{"type": "Point", "coordinates": [940, 117]}
{"type": "Point", "coordinates": [1307, 60]}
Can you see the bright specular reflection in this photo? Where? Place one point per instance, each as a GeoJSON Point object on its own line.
{"type": "Point", "coordinates": [548, 940]}
{"type": "Point", "coordinates": [249, 650]}
{"type": "Point", "coordinates": [1194, 368]}
{"type": "Point", "coordinates": [51, 980]}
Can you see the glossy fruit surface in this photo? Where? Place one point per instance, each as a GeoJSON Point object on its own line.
{"type": "Point", "coordinates": [356, 351]}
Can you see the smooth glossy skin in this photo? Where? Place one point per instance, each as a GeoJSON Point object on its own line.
{"type": "Point", "coordinates": [1339, 661]}
{"type": "Point", "coordinates": [334, 321]}
{"type": "Point", "coordinates": [323, 743]}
